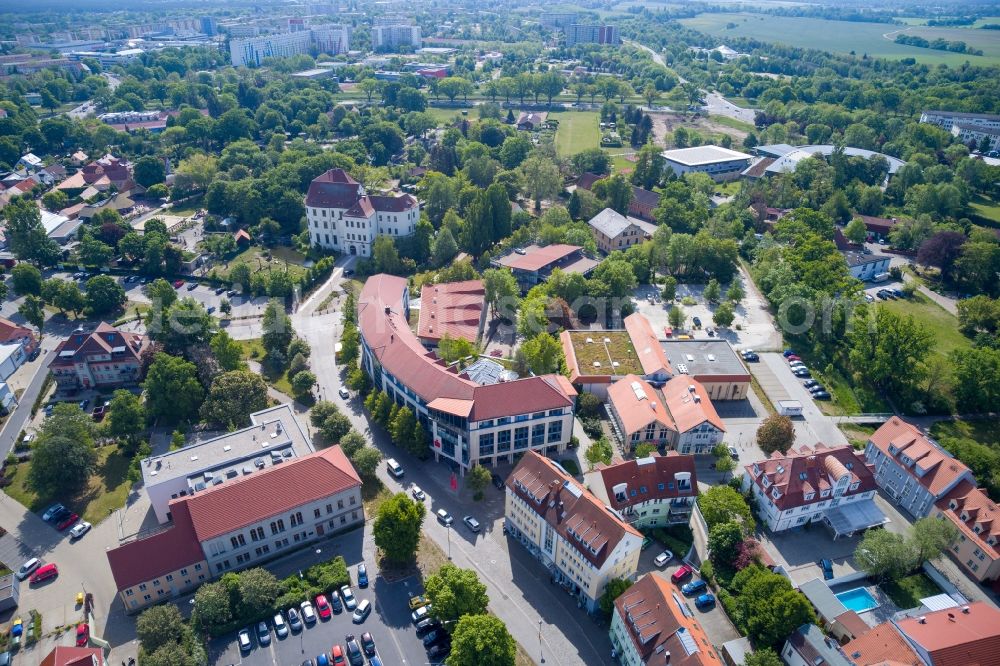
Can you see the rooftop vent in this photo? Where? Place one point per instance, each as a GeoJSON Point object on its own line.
{"type": "Point", "coordinates": [590, 341]}
{"type": "Point", "coordinates": [193, 458]}
{"type": "Point", "coordinates": [227, 448]}
{"type": "Point", "coordinates": [607, 341]}
{"type": "Point", "coordinates": [597, 364]}
{"type": "Point", "coordinates": [711, 357]}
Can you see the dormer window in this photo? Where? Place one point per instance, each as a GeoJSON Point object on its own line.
{"type": "Point", "coordinates": [767, 482]}
{"type": "Point", "coordinates": [965, 516]}
{"type": "Point", "coordinates": [977, 529]}
{"type": "Point", "coordinates": [854, 486]}
{"type": "Point", "coordinates": [992, 540]}
{"type": "Point", "coordinates": [756, 469]}
{"type": "Point", "coordinates": [809, 496]}
{"type": "Point", "coordinates": [952, 505]}
{"type": "Point", "coordinates": [775, 493]}
{"type": "Point", "coordinates": [824, 493]}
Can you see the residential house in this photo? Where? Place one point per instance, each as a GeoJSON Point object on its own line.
{"type": "Point", "coordinates": [866, 266]}
{"type": "Point", "coordinates": [977, 518]}
{"type": "Point", "coordinates": [809, 646]}
{"type": "Point", "coordinates": [469, 420]}
{"type": "Point", "coordinates": [453, 309]}
{"type": "Point", "coordinates": [614, 231]}
{"type": "Point", "coordinates": [30, 162]}
{"type": "Point", "coordinates": [829, 485]}
{"type": "Point", "coordinates": [966, 636]}
{"type": "Point", "coordinates": [342, 216]}
{"type": "Point", "coordinates": [11, 333]}
{"type": "Point", "coordinates": [583, 544]}
{"type": "Point", "coordinates": [642, 203]}
{"type": "Point", "coordinates": [911, 468]}
{"type": "Point", "coordinates": [878, 228]}
{"type": "Point", "coordinates": [531, 121]}
{"type": "Point", "coordinates": [651, 624]}
{"type": "Point", "coordinates": [67, 655]}
{"type": "Point", "coordinates": [882, 644]}
{"type": "Point", "coordinates": [533, 264]}
{"type": "Point", "coordinates": [655, 491]}
{"type": "Point", "coordinates": [242, 522]}
{"type": "Point", "coordinates": [106, 358]}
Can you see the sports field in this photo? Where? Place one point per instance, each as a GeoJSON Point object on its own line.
{"type": "Point", "coordinates": [578, 131]}
{"type": "Point", "coordinates": [845, 37]}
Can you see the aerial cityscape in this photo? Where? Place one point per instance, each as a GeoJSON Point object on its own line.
{"type": "Point", "coordinates": [500, 333]}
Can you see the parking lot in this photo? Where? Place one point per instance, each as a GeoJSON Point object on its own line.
{"type": "Point", "coordinates": [243, 305]}
{"type": "Point", "coordinates": [389, 624]}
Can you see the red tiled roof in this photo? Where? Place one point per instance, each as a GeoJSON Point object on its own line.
{"type": "Point", "coordinates": [361, 208]}
{"type": "Point", "coordinates": [387, 333]}
{"type": "Point", "coordinates": [654, 621]}
{"type": "Point", "coordinates": [391, 203]}
{"type": "Point", "coordinates": [880, 645]}
{"type": "Point", "coordinates": [104, 340]}
{"type": "Point", "coordinates": [981, 512]}
{"type": "Point", "coordinates": [568, 507]}
{"type": "Point", "coordinates": [333, 189]}
{"type": "Point", "coordinates": [638, 404]}
{"type": "Point", "coordinates": [275, 490]}
{"type": "Point", "coordinates": [164, 552]}
{"type": "Point", "coordinates": [647, 346]}
{"type": "Point", "coordinates": [812, 471]}
{"type": "Point", "coordinates": [453, 309]}
{"type": "Point", "coordinates": [535, 259]}
{"type": "Point", "coordinates": [643, 197]}
{"type": "Point", "coordinates": [880, 225]}
{"type": "Point", "coordinates": [66, 655]}
{"type": "Point", "coordinates": [11, 332]}
{"type": "Point", "coordinates": [687, 412]}
{"type": "Point", "coordinates": [942, 471]}
{"type": "Point", "coordinates": [587, 180]}
{"type": "Point", "coordinates": [956, 637]}
{"type": "Point", "coordinates": [662, 470]}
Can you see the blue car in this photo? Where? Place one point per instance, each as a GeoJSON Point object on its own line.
{"type": "Point", "coordinates": [362, 575]}
{"type": "Point", "coordinates": [827, 567]}
{"type": "Point", "coordinates": [694, 587]}
{"type": "Point", "coordinates": [788, 352]}
{"type": "Point", "coordinates": [322, 660]}
{"type": "Point", "coordinates": [705, 601]}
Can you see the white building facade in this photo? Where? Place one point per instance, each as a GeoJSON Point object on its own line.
{"type": "Point", "coordinates": [251, 51]}
{"type": "Point", "coordinates": [392, 36]}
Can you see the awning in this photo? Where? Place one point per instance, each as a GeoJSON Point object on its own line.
{"type": "Point", "coordinates": [854, 517]}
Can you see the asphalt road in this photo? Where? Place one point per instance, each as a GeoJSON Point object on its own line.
{"type": "Point", "coordinates": [22, 412]}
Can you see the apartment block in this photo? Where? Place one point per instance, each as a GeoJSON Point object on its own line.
{"type": "Point", "coordinates": [577, 33]}
{"type": "Point", "coordinates": [106, 358]}
{"type": "Point", "coordinates": [656, 491]}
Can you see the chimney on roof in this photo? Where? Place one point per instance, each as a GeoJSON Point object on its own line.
{"type": "Point", "coordinates": [965, 609]}
{"type": "Point", "coordinates": [922, 619]}
{"type": "Point", "coordinates": [951, 617]}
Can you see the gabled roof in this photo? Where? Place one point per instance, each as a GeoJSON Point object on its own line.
{"type": "Point", "coordinates": [897, 438]}
{"type": "Point", "coordinates": [967, 636]}
{"type": "Point", "coordinates": [811, 471]}
{"type": "Point", "coordinates": [647, 345]}
{"type": "Point", "coordinates": [650, 472]}
{"type": "Point", "coordinates": [106, 339]}
{"type": "Point", "coordinates": [689, 404]}
{"type": "Point", "coordinates": [393, 203]}
{"type": "Point", "coordinates": [9, 331]}
{"type": "Point", "coordinates": [333, 189]}
{"type": "Point", "coordinates": [579, 517]}
{"type": "Point", "coordinates": [611, 223]}
{"type": "Point", "coordinates": [980, 512]}
{"type": "Point", "coordinates": [67, 655]}
{"type": "Point", "coordinates": [587, 179]}
{"type": "Point", "coordinates": [537, 258]}
{"type": "Point", "coordinates": [881, 645]}
{"type": "Point", "coordinates": [164, 552]}
{"type": "Point", "coordinates": [275, 490]}
{"type": "Point", "coordinates": [638, 404]}
{"type": "Point", "coordinates": [645, 197]}
{"type": "Point", "coordinates": [453, 309]}
{"type": "Point", "coordinates": [658, 626]}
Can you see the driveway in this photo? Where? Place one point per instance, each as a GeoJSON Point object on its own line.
{"type": "Point", "coordinates": [777, 380]}
{"type": "Point", "coordinates": [714, 620]}
{"type": "Point", "coordinates": [22, 411]}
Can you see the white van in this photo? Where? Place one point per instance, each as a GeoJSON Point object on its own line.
{"type": "Point", "coordinates": [27, 568]}
{"type": "Point", "coordinates": [394, 467]}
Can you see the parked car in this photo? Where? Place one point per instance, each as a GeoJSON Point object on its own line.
{"type": "Point", "coordinates": [322, 659]}
{"type": "Point", "coordinates": [427, 624]}
{"type": "Point", "coordinates": [802, 373]}
{"type": "Point", "coordinates": [337, 653]}
{"type": "Point", "coordinates": [28, 568]}
{"type": "Point", "coordinates": [418, 601]}
{"type": "Point", "coordinates": [61, 515]}
{"type": "Point", "coordinates": [79, 530]}
{"type": "Point", "coordinates": [733, 453]}
{"type": "Point", "coordinates": [244, 640]}
{"type": "Point", "coordinates": [788, 352]}
{"type": "Point", "coordinates": [694, 587]}
{"type": "Point", "coordinates": [354, 654]}
{"type": "Point", "coordinates": [294, 619]}
{"type": "Point", "coordinates": [827, 566]}
{"type": "Point", "coordinates": [705, 601]}
{"type": "Point", "coordinates": [816, 389]}
{"type": "Point", "coordinates": [821, 395]}
{"type": "Point", "coordinates": [192, 286]}
{"type": "Point", "coordinates": [368, 643]}
{"type": "Point", "coordinates": [231, 293]}
{"type": "Point", "coordinates": [335, 603]}
{"type": "Point", "coordinates": [280, 626]}
{"type": "Point", "coordinates": [752, 357]}
{"type": "Point", "coordinates": [681, 574]}
{"type": "Point", "coordinates": [83, 404]}
{"type": "Point", "coordinates": [178, 284]}
{"type": "Point", "coordinates": [417, 493]}
{"type": "Point", "coordinates": [98, 413]}
{"type": "Point", "coordinates": [809, 383]}
{"type": "Point", "coordinates": [439, 651]}
{"type": "Point", "coordinates": [444, 517]}
{"type": "Point", "coordinates": [662, 559]}
{"type": "Point", "coordinates": [52, 511]}
{"type": "Point", "coordinates": [362, 576]}
{"type": "Point", "coordinates": [793, 357]}
{"type": "Point", "coordinates": [220, 290]}
{"type": "Point", "coordinates": [69, 520]}
{"type": "Point", "coordinates": [497, 481]}
{"type": "Point", "coordinates": [361, 612]}
{"type": "Point", "coordinates": [697, 322]}
{"type": "Point", "coordinates": [308, 614]}
{"type": "Point", "coordinates": [344, 393]}
{"type": "Point", "coordinates": [420, 613]}
{"type": "Point", "coordinates": [436, 636]}
{"type": "Point", "coordinates": [210, 309]}
{"type": "Point", "coordinates": [899, 293]}
{"type": "Point", "coordinates": [349, 601]}
{"type": "Point", "coordinates": [323, 608]}
{"type": "Point", "coordinates": [471, 523]}
{"type": "Point", "coordinates": [82, 634]}
{"type": "Point", "coordinates": [263, 633]}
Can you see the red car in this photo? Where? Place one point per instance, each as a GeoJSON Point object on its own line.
{"type": "Point", "coordinates": [792, 357]}
{"type": "Point", "coordinates": [684, 572]}
{"type": "Point", "coordinates": [82, 634]}
{"type": "Point", "coordinates": [73, 517]}
{"type": "Point", "coordinates": [178, 284]}
{"type": "Point", "coordinates": [98, 413]}
{"type": "Point", "coordinates": [337, 653]}
{"type": "Point", "coordinates": [323, 608]}
{"type": "Point", "coordinates": [669, 332]}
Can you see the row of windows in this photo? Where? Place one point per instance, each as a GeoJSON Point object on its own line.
{"type": "Point", "coordinates": [169, 578]}
{"type": "Point", "coordinates": [520, 438]}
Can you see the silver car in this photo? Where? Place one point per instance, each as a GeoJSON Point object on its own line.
{"type": "Point", "coordinates": [349, 600]}
{"type": "Point", "coordinates": [280, 626]}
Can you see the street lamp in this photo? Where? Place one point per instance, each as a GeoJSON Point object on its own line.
{"type": "Point", "coordinates": [448, 530]}
{"type": "Point", "coordinates": [541, 657]}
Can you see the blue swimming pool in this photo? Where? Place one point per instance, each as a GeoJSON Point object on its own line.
{"type": "Point", "coordinates": [858, 600]}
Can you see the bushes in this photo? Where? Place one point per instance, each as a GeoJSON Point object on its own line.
{"type": "Point", "coordinates": [677, 538]}
{"type": "Point", "coordinates": [317, 579]}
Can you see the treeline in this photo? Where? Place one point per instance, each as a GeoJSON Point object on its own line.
{"type": "Point", "coordinates": [937, 44]}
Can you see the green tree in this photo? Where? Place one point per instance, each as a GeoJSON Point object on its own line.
{"type": "Point", "coordinates": [644, 450]}
{"type": "Point", "coordinates": [184, 325]}
{"type": "Point", "coordinates": [397, 528]}
{"type": "Point", "coordinates": [723, 315]}
{"type": "Point", "coordinates": [233, 396]}
{"type": "Point", "coordinates": [161, 293]}
{"type": "Point", "coordinates": [976, 370]}
{"type": "Point", "coordinates": [931, 537]}
{"type": "Point", "coordinates": [478, 479]}
{"type": "Point", "coordinates": [55, 200]}
{"type": "Point", "coordinates": [724, 542]}
{"type": "Point", "coordinates": [885, 555]}
{"type": "Point", "coordinates": [104, 295]}
{"type": "Point", "coordinates": [770, 608]}
{"type": "Point", "coordinates": [599, 451]}
{"type": "Point", "coordinates": [776, 433]}
{"type": "Point", "coordinates": [614, 589]}
{"type": "Point", "coordinates": [855, 231]}
{"type": "Point", "coordinates": [722, 504]}
{"type": "Point", "coordinates": [453, 349]}
{"type": "Point", "coordinates": [258, 589]}
{"type": "Point", "coordinates": [712, 291]}
{"type": "Point", "coordinates": [33, 311]}
{"type": "Point", "coordinates": [444, 247]}
{"type": "Point", "coordinates": [227, 352]}
{"type": "Point", "coordinates": [26, 279]}
{"type": "Point", "coordinates": [26, 237]}
{"type": "Point", "coordinates": [735, 293]}
{"type": "Point", "coordinates": [502, 292]}
{"type": "Point", "coordinates": [60, 466]}
{"type": "Point", "coordinates": [277, 327]}
{"type": "Point", "coordinates": [762, 657]}
{"type": "Point", "coordinates": [302, 384]}
{"type": "Point", "coordinates": [159, 626]}
{"type": "Point", "coordinates": [173, 392]}
{"type": "Point", "coordinates": [723, 461]}
{"type": "Point", "coordinates": [402, 430]}
{"type": "Point", "coordinates": [539, 178]}
{"type": "Point", "coordinates": [148, 171]}
{"type": "Point", "coordinates": [542, 354]}
{"type": "Point", "coordinates": [881, 342]}
{"type": "Point", "coordinates": [127, 416]}
{"type": "Point", "coordinates": [213, 605]}
{"type": "Point", "coordinates": [455, 593]}
{"type": "Point", "coordinates": [69, 298]}
{"type": "Point", "coordinates": [481, 640]}
{"type": "Point", "coordinates": [676, 316]}
{"type": "Point", "coordinates": [669, 291]}
{"type": "Point", "coordinates": [366, 461]}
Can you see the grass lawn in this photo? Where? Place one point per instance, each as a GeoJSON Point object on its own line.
{"type": "Point", "coordinates": [986, 431]}
{"type": "Point", "coordinates": [578, 131]}
{"type": "Point", "coordinates": [445, 116]}
{"type": "Point", "coordinates": [106, 489]}
{"type": "Point", "coordinates": [253, 350]}
{"type": "Point", "coordinates": [856, 434]}
{"type": "Point", "coordinates": [907, 592]}
{"type": "Point", "coordinates": [732, 122]}
{"type": "Point", "coordinates": [986, 209]}
{"type": "Point", "coordinates": [942, 323]}
{"type": "Point", "coordinates": [256, 258]}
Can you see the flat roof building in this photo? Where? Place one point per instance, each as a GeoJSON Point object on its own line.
{"type": "Point", "coordinates": [274, 438]}
{"type": "Point", "coordinates": [714, 363]}
{"type": "Point", "coordinates": [718, 162]}
{"type": "Point", "coordinates": [591, 34]}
